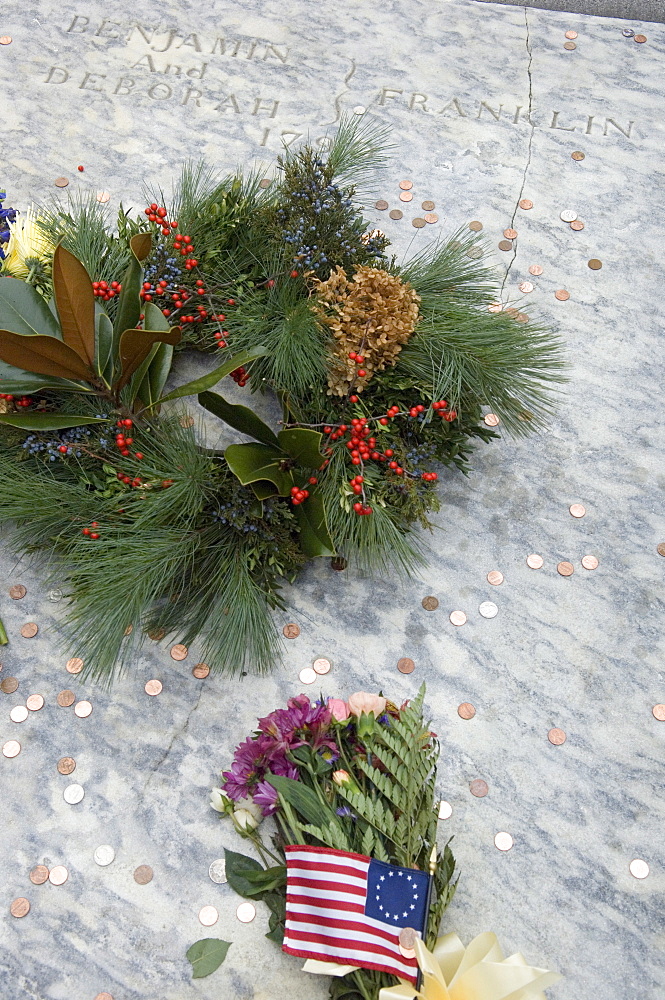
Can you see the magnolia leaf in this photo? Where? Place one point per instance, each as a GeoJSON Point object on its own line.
{"type": "Point", "coordinates": [104, 345]}
{"type": "Point", "coordinates": [315, 540]}
{"type": "Point", "coordinates": [42, 354]}
{"type": "Point", "coordinates": [23, 310]}
{"type": "Point", "coordinates": [238, 867]}
{"type": "Point", "coordinates": [149, 379]}
{"type": "Point", "coordinates": [141, 245]}
{"type": "Point", "coordinates": [198, 385]}
{"type": "Point", "coordinates": [16, 381]}
{"type": "Point", "coordinates": [303, 446]}
{"type": "Point", "coordinates": [254, 462]}
{"type": "Point", "coordinates": [240, 417]}
{"type": "Point", "coordinates": [129, 302]}
{"type": "Point", "coordinates": [302, 798]}
{"type": "Point", "coordinates": [74, 298]}
{"type": "Point", "coordinates": [135, 345]}
{"type": "Point", "coordinates": [263, 490]}
{"type": "Point", "coordinates": [48, 421]}
{"type": "Point", "coordinates": [206, 956]}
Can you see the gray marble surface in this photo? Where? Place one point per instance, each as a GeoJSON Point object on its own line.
{"type": "Point", "coordinates": [583, 653]}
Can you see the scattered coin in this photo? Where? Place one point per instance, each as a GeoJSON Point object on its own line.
{"type": "Point", "coordinates": [534, 561]}
{"type": "Point", "coordinates": [39, 875]}
{"type": "Point", "coordinates": [406, 665]}
{"type": "Point", "coordinates": [479, 788]}
{"type": "Point", "coordinates": [246, 913]}
{"type": "Point", "coordinates": [638, 868]}
{"type": "Point", "coordinates": [200, 671]}
{"type": "Point", "coordinates": [406, 185]}
{"type": "Point", "coordinates": [595, 264]}
{"type": "Point", "coordinates": [466, 710]}
{"type": "Point", "coordinates": [156, 634]}
{"type": "Point", "coordinates": [428, 206]}
{"type": "Point", "coordinates": [34, 702]}
{"type": "Point", "coordinates": [418, 223]}
{"type": "Point", "coordinates": [577, 510]}
{"type": "Point", "coordinates": [569, 46]}
{"type": "Point", "coordinates": [153, 687]}
{"type": "Point", "coordinates": [589, 562]}
{"type": "Point", "coordinates": [535, 269]}
{"type": "Point", "coordinates": [395, 214]}
{"type": "Point", "coordinates": [187, 421]}
{"type": "Point", "coordinates": [405, 196]}
{"type": "Point", "coordinates": [577, 155]}
{"type": "Point", "coordinates": [495, 577]}
{"type": "Point", "coordinates": [179, 652]}
{"type": "Point", "coordinates": [104, 855]}
{"type": "Point", "coordinates": [66, 765]}
{"type": "Point", "coordinates": [20, 906]}
{"type": "Point", "coordinates": [494, 307]}
{"type": "Point", "coordinates": [475, 226]}
{"type": "Point", "coordinates": [505, 245]}
{"type": "Point", "coordinates": [562, 295]}
{"type": "Point", "coordinates": [61, 182]}
{"type": "Point", "coordinates": [660, 549]}
{"type": "Point", "coordinates": [556, 737]}
{"type": "Point", "coordinates": [208, 916]}
{"type": "Point", "coordinates": [503, 841]}
{"type": "Point", "coordinates": [526, 286]}
{"type": "Point", "coordinates": [491, 420]}
{"type": "Point", "coordinates": [9, 685]}
{"type": "Point", "coordinates": [445, 810]}
{"type": "Point", "coordinates": [66, 698]}
{"type": "Point", "coordinates": [571, 34]}
{"type": "Point", "coordinates": [11, 748]}
{"type": "Point", "coordinates": [17, 592]}
{"type": "Point", "coordinates": [577, 226]}
{"type": "Point", "coordinates": [217, 871]}
{"type": "Point", "coordinates": [628, 32]}
{"type": "Point", "coordinates": [381, 205]}
{"type": "Point", "coordinates": [640, 39]}
{"type": "Point", "coordinates": [5, 39]}
{"type": "Point", "coordinates": [658, 712]}
{"type": "Point", "coordinates": [457, 618]}
{"type": "Point", "coordinates": [75, 665]}
{"type": "Point", "coordinates": [103, 996]}
{"type": "Point", "coordinates": [55, 595]}
{"type": "Point", "coordinates": [73, 794]}
{"type": "Point", "coordinates": [338, 563]}
{"type": "Point", "coordinates": [430, 603]}
{"type": "Point", "coordinates": [510, 234]}
{"type": "Point", "coordinates": [565, 569]}
{"type": "Point", "coordinates": [522, 318]}
{"type": "Point", "coordinates": [82, 709]}
{"type": "Point", "coordinates": [407, 940]}
{"type": "Point", "coordinates": [103, 197]}
{"type": "Point", "coordinates": [29, 630]}
{"type": "Point", "coordinates": [488, 609]}
{"type": "Point", "coordinates": [322, 665]}
{"type": "Point", "coordinates": [129, 630]}
{"type": "Point", "coordinates": [431, 217]}
{"type": "Point", "coordinates": [291, 631]}
{"type": "Point", "coordinates": [474, 252]}
{"type": "Point", "coordinates": [526, 204]}
{"type": "Point", "coordinates": [19, 713]}
{"type": "Point", "coordinates": [143, 874]}
{"type": "Point", "coordinates": [58, 875]}
{"type": "Point", "coordinates": [307, 675]}
{"type": "Point", "coordinates": [568, 215]}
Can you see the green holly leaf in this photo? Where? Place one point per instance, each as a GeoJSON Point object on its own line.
{"type": "Point", "coordinates": [206, 956]}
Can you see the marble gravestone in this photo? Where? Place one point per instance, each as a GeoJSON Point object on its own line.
{"type": "Point", "coordinates": [486, 108]}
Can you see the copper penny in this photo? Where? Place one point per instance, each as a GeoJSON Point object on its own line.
{"type": "Point", "coordinates": [58, 875]}
{"type": "Point", "coordinates": [264, 182]}
{"type": "Point", "coordinates": [66, 765]}
{"type": "Point", "coordinates": [565, 569]}
{"type": "Point", "coordinates": [406, 185]}
{"type": "Point", "coordinates": [535, 269]}
{"type": "Point", "coordinates": [510, 234]}
{"type": "Point", "coordinates": [431, 217]}
{"type": "Point", "coordinates": [494, 307]}
{"type": "Point", "coordinates": [526, 286]}
{"type": "Point", "coordinates": [395, 214]}
{"type": "Point", "coordinates": [512, 312]}
{"type": "Point", "coordinates": [595, 264]}
{"type": "Point", "coordinates": [129, 630]}
{"type": "Point", "coordinates": [200, 671]}
{"type": "Point", "coordinates": [381, 205]}
{"type": "Point", "coordinates": [9, 685]}
{"type": "Point", "coordinates": [5, 39]}
{"type": "Point", "coordinates": [187, 421]}
{"type": "Point", "coordinates": [143, 874]}
{"type": "Point", "coordinates": [75, 665]}
{"type": "Point", "coordinates": [522, 318]}
{"type": "Point", "coordinates": [291, 631]}
{"type": "Point", "coordinates": [475, 226]}
{"type": "Point", "coordinates": [526, 204]}
{"type": "Point", "coordinates": [577, 226]}
{"type": "Point", "coordinates": [39, 875]}
{"type": "Point", "coordinates": [11, 748]}
{"type": "Point", "coordinates": [322, 665]}
{"type": "Point", "coordinates": [556, 737]}
{"type": "Point", "coordinates": [61, 182]}
{"type": "Point", "coordinates": [103, 197]}
{"type": "Point", "coordinates": [479, 788]}
{"type": "Point", "coordinates": [571, 34]}
{"type": "Point", "coordinates": [19, 907]}
{"type": "Point", "coordinates": [17, 592]}
{"type": "Point", "coordinates": [534, 561]}
{"type": "Point", "coordinates": [407, 937]}
{"type": "Point", "coordinates": [428, 206]}
{"type": "Point", "coordinates": [29, 630]}
{"type": "Point", "coordinates": [570, 46]}
{"type": "Point", "coordinates": [156, 634]}
{"type": "Point", "coordinates": [406, 196]}
{"type": "Point", "coordinates": [589, 562]}
{"type": "Point", "coordinates": [495, 577]}
{"type": "Point", "coordinates": [66, 698]}
{"type": "Point", "coordinates": [658, 712]}
{"type": "Point", "coordinates": [474, 252]}
{"type": "Point", "coordinates": [418, 223]}
{"type": "Point", "coordinates": [640, 39]}
{"type": "Point", "coordinates": [660, 549]}
{"type": "Point", "coordinates": [34, 702]}
{"type": "Point", "coordinates": [505, 245]}
{"type": "Point", "coordinates": [82, 709]}
{"type": "Point", "coordinates": [179, 652]}
{"type": "Point", "coordinates": [107, 996]}
{"type": "Point", "coordinates": [430, 603]}
{"type": "Point", "coordinates": [577, 155]}
{"type": "Point", "coordinates": [466, 710]}
{"type": "Point", "coordinates": [19, 713]}
{"type": "Point", "coordinates": [406, 665]}
{"type": "Point", "coordinates": [562, 295]}
{"type": "Point", "coordinates": [153, 687]}
{"type": "Point", "coordinates": [491, 420]}
{"type": "Point", "coordinates": [577, 510]}
{"type": "Point", "coordinates": [457, 618]}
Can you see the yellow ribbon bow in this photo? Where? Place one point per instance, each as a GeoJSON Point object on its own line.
{"type": "Point", "coordinates": [477, 972]}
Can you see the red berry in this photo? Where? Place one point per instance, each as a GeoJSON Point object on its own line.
{"type": "Point", "coordinates": [127, 422]}
{"type": "Point", "coordinates": [384, 421]}
{"type": "Point", "coordinates": [86, 531]}
{"type": "Point", "coordinates": [358, 507]}
{"type": "Point", "coordinates": [80, 168]}
{"type": "Point", "coordinates": [392, 465]}
{"type": "Point", "coordinates": [161, 212]}
{"type": "Point", "coordinates": [138, 454]}
{"type": "Point", "coordinates": [94, 534]}
{"type": "Point", "coordinates": [389, 453]}
{"type": "Point", "coordinates": [353, 355]}
{"type": "Point", "coordinates": [294, 274]}
{"type": "Point", "coordinates": [313, 480]}
{"type": "Point", "coordinates": [359, 359]}
{"type": "Point", "coordinates": [353, 399]}
{"type": "Point", "coordinates": [63, 449]}
{"type": "Point", "coordinates": [361, 372]}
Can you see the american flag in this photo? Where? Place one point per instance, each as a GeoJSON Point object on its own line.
{"type": "Point", "coordinates": [350, 908]}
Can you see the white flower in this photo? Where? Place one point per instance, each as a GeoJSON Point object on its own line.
{"type": "Point", "coordinates": [219, 801]}
{"type": "Point", "coordinates": [28, 245]}
{"type": "Point", "coordinates": [246, 815]}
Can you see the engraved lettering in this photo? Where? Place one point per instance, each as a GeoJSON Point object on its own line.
{"type": "Point", "coordinates": [145, 62]}
{"type": "Point", "coordinates": [194, 95]}
{"type": "Point", "coordinates": [264, 140]}
{"type": "Point", "coordinates": [169, 41]}
{"type": "Point", "coordinates": [495, 114]}
{"type": "Point", "coordinates": [146, 33]}
{"type": "Point", "coordinates": [388, 93]}
{"type": "Point", "coordinates": [222, 46]}
{"type": "Point", "coordinates": [251, 50]}
{"type": "Point", "coordinates": [90, 79]}
{"type": "Point", "coordinates": [554, 123]}
{"type": "Point", "coordinates": [195, 43]}
{"type": "Point", "coordinates": [236, 47]}
{"type": "Point", "coordinates": [273, 50]}
{"type": "Point", "coordinates": [456, 105]}
{"type": "Point", "coordinates": [589, 123]}
{"type": "Point", "coordinates": [161, 96]}
{"type": "Point", "coordinates": [419, 99]}
{"type": "Point", "coordinates": [106, 29]}
{"type": "Point", "coordinates": [124, 86]}
{"type": "Point", "coordinates": [175, 70]}
{"type": "Point", "coordinates": [611, 121]}
{"type": "Point", "coordinates": [228, 102]}
{"type": "Point", "coordinates": [57, 69]}
{"type": "Point", "coordinates": [197, 72]}
{"type": "Point", "coordinates": [74, 25]}
{"type": "Point", "coordinates": [258, 107]}
{"type": "Point", "coordinates": [516, 117]}
{"type": "Point", "coordinates": [294, 136]}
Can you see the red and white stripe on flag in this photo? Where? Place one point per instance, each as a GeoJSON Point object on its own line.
{"type": "Point", "coordinates": [326, 894]}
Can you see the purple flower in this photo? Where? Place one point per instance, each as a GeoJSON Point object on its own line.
{"type": "Point", "coordinates": [345, 811]}
{"type": "Point", "coordinates": [267, 797]}
{"type": "Point", "coordinates": [249, 766]}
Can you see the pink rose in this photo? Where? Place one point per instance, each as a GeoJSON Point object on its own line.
{"type": "Point", "coordinates": [338, 709]}
{"type": "Point", "coordinates": [361, 702]}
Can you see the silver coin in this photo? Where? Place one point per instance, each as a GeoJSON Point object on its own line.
{"type": "Point", "coordinates": [104, 855]}
{"type": "Point", "coordinates": [488, 609]}
{"type": "Point", "coordinates": [19, 713]}
{"type": "Point", "coordinates": [307, 675]}
{"type": "Point", "coordinates": [55, 595]}
{"type": "Point", "coordinates": [359, 110]}
{"type": "Point", "coordinates": [217, 871]}
{"type": "Point", "coordinates": [73, 794]}
{"type": "Point", "coordinates": [568, 216]}
{"type": "Point", "coordinates": [628, 32]}
{"type": "Point", "coordinates": [445, 809]}
{"type": "Point", "coordinates": [638, 868]}
{"type": "Point", "coordinates": [474, 253]}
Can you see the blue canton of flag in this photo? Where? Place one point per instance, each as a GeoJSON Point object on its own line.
{"type": "Point", "coordinates": [396, 896]}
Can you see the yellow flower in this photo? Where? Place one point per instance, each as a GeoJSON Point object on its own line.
{"type": "Point", "coordinates": [28, 246]}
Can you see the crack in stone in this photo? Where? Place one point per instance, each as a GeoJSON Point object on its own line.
{"type": "Point", "coordinates": [175, 736]}
{"type": "Point", "coordinates": [528, 154]}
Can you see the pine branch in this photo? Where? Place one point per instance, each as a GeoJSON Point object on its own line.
{"type": "Point", "coordinates": [359, 147]}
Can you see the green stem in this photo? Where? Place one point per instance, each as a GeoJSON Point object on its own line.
{"type": "Point", "coordinates": [3, 635]}
{"type": "Point", "coordinates": [359, 980]}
